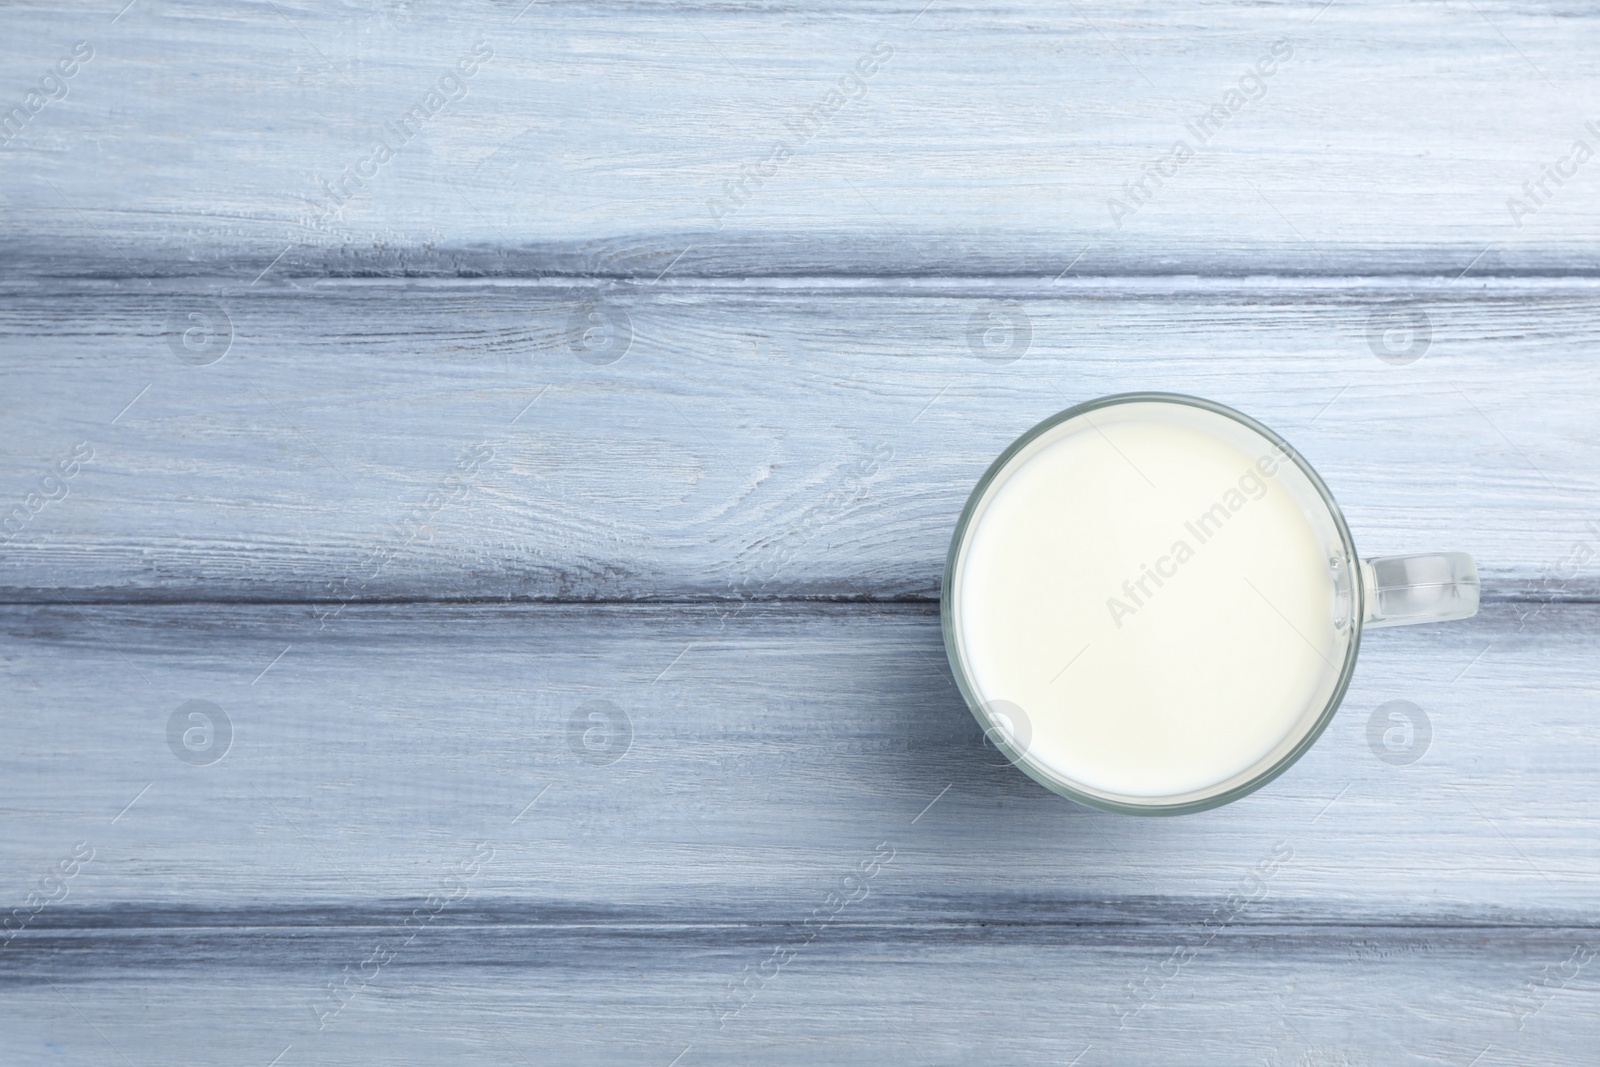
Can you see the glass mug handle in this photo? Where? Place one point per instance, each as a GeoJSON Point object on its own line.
{"type": "Point", "coordinates": [1402, 590]}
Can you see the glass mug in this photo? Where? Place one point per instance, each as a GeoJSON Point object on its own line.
{"type": "Point", "coordinates": [1153, 605]}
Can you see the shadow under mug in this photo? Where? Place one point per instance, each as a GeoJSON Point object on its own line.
{"type": "Point", "coordinates": [1365, 594]}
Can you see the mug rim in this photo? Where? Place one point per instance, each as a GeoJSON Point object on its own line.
{"type": "Point", "coordinates": [1056, 783]}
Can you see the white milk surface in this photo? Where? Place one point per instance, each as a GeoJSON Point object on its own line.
{"type": "Point", "coordinates": [1177, 682]}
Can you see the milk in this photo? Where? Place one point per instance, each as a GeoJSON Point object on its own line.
{"type": "Point", "coordinates": [1152, 588]}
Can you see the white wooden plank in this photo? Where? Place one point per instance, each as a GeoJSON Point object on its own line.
{"type": "Point", "coordinates": [810, 433]}
{"type": "Point", "coordinates": [530, 993]}
{"type": "Point", "coordinates": [770, 750]}
{"type": "Point", "coordinates": [597, 136]}
{"type": "Point", "coordinates": [808, 438]}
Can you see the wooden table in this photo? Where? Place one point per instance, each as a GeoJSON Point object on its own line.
{"type": "Point", "coordinates": [477, 477]}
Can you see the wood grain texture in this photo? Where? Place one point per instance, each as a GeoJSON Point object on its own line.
{"type": "Point", "coordinates": [1317, 997]}
{"type": "Point", "coordinates": [552, 527]}
{"type": "Point", "coordinates": [991, 141]}
{"type": "Point", "coordinates": [1389, 914]}
{"type": "Point", "coordinates": [755, 440]}
{"type": "Point", "coordinates": [769, 747]}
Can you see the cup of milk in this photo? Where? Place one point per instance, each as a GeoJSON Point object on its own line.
{"type": "Point", "coordinates": [1153, 605]}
